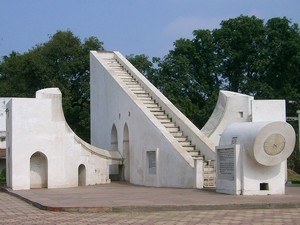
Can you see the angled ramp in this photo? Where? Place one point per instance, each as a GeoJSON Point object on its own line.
{"type": "Point", "coordinates": [111, 70]}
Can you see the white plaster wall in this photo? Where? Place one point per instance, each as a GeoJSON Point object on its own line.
{"type": "Point", "coordinates": [111, 104]}
{"type": "Point", "coordinates": [254, 174]}
{"type": "Point", "coordinates": [268, 110]}
{"type": "Point", "coordinates": [38, 124]}
{"type": "Point", "coordinates": [231, 107]}
{"type": "Point", "coordinates": [250, 174]}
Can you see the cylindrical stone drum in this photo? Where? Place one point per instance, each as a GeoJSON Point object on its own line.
{"type": "Point", "coordinates": [268, 143]}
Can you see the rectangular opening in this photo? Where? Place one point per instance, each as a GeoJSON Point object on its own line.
{"type": "Point", "coordinates": [151, 158]}
{"type": "Point", "coordinates": [264, 186]}
{"type": "Point", "coordinates": [240, 114]}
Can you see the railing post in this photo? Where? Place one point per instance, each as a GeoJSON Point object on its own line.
{"type": "Point", "coordinates": [198, 168]}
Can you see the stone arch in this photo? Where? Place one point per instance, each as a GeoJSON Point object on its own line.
{"type": "Point", "coordinates": [126, 153]}
{"type": "Point", "coordinates": [114, 138]}
{"type": "Point", "coordinates": [114, 170]}
{"type": "Point", "coordinates": [81, 175]}
{"type": "Point", "coordinates": [38, 170]}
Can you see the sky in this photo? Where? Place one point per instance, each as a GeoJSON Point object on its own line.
{"type": "Point", "coordinates": [130, 26]}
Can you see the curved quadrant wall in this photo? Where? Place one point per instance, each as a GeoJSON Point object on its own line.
{"type": "Point", "coordinates": [45, 152]}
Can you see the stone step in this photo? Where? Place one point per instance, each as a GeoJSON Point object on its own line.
{"type": "Point", "coordinates": [127, 82]}
{"type": "Point", "coordinates": [124, 76]}
{"type": "Point", "coordinates": [181, 138]}
{"type": "Point", "coordinates": [172, 129]}
{"type": "Point", "coordinates": [209, 175]}
{"type": "Point", "coordinates": [153, 109]}
{"type": "Point", "coordinates": [177, 133]}
{"type": "Point", "coordinates": [208, 183]}
{"type": "Point", "coordinates": [164, 116]}
{"type": "Point", "coordinates": [114, 63]}
{"type": "Point", "coordinates": [119, 70]}
{"type": "Point", "coordinates": [132, 84]}
{"type": "Point", "coordinates": [115, 66]}
{"type": "Point", "coordinates": [138, 88]}
{"type": "Point", "coordinates": [208, 170]}
{"type": "Point", "coordinates": [148, 101]}
{"type": "Point", "coordinates": [158, 112]}
{"type": "Point", "coordinates": [170, 124]}
{"type": "Point", "coordinates": [139, 92]}
{"type": "Point", "coordinates": [145, 98]}
{"type": "Point", "coordinates": [153, 105]}
{"type": "Point", "coordinates": [165, 120]}
{"type": "Point", "coordinates": [185, 143]}
{"type": "Point", "coordinates": [189, 148]}
{"type": "Point", "coordinates": [194, 153]}
{"type": "Point", "coordinates": [143, 94]}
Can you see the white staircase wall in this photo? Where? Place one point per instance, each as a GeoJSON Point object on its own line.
{"type": "Point", "coordinates": [112, 103]}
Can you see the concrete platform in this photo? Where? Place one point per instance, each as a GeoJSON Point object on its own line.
{"type": "Point", "coordinates": [120, 196]}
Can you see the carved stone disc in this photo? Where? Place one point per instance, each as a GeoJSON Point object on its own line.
{"type": "Point", "coordinates": [274, 144]}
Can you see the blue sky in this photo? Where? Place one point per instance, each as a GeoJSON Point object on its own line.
{"type": "Point", "coordinates": [129, 26]}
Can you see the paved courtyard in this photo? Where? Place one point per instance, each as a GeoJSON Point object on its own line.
{"type": "Point", "coordinates": [122, 203]}
{"type": "Point", "coordinates": [16, 211]}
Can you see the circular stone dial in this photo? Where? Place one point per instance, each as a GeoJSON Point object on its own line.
{"type": "Point", "coordinates": [274, 144]}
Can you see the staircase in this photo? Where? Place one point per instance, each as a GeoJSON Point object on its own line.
{"type": "Point", "coordinates": [133, 85]}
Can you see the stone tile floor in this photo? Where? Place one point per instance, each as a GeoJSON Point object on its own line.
{"type": "Point", "coordinates": [121, 196]}
{"type": "Point", "coordinates": [16, 211]}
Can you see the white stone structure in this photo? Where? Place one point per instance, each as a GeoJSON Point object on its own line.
{"type": "Point", "coordinates": [231, 107]}
{"type": "Point", "coordinates": [158, 143]}
{"type": "Point", "coordinates": [160, 146]}
{"type": "Point", "coordinates": [235, 108]}
{"type": "Point", "coordinates": [251, 158]}
{"type": "Point", "coordinates": [42, 151]}
{"type": "Point", "coordinates": [148, 140]}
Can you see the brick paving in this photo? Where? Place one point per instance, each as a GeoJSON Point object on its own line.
{"type": "Point", "coordinates": [16, 211]}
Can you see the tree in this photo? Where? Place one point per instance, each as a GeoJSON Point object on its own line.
{"type": "Point", "coordinates": [239, 45]}
{"type": "Point", "coordinates": [187, 76]}
{"type": "Point", "coordinates": [61, 62]}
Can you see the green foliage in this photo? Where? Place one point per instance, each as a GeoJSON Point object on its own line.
{"type": "Point", "coordinates": [3, 176]}
{"type": "Point", "coordinates": [61, 62]}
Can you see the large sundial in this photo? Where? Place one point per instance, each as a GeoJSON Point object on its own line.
{"type": "Point", "coordinates": [274, 144]}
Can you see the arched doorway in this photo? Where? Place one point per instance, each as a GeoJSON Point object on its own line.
{"type": "Point", "coordinates": [126, 153]}
{"type": "Point", "coordinates": [38, 171]}
{"type": "Point", "coordinates": [81, 175]}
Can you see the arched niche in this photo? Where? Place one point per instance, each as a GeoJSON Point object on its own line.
{"type": "Point", "coordinates": [38, 170]}
{"type": "Point", "coordinates": [126, 153]}
{"type": "Point", "coordinates": [114, 138]}
{"type": "Point", "coordinates": [114, 171]}
{"type": "Point", "coordinates": [81, 175]}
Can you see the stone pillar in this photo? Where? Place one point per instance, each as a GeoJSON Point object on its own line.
{"type": "Point", "coordinates": [198, 168]}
